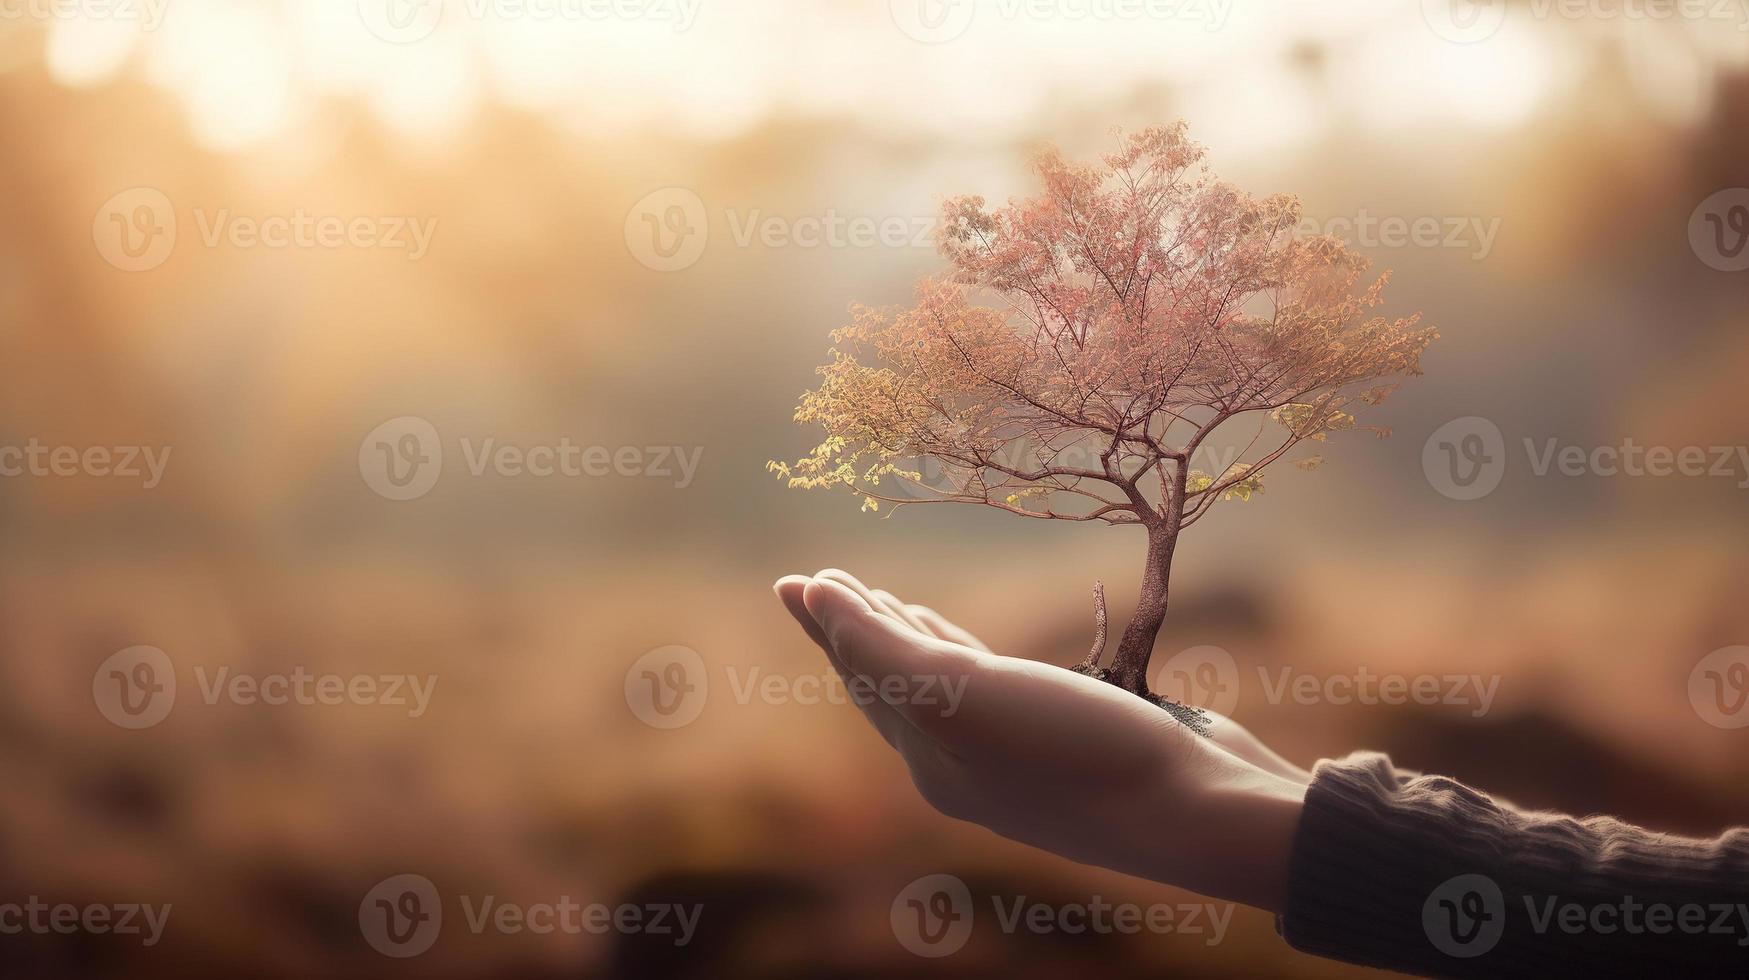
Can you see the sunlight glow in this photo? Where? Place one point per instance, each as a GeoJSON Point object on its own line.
{"type": "Point", "coordinates": [86, 51]}
{"type": "Point", "coordinates": [1258, 76]}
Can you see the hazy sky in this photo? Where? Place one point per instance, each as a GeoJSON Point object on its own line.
{"type": "Point", "coordinates": [248, 71]}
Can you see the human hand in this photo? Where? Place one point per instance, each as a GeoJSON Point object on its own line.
{"type": "Point", "coordinates": [1056, 759]}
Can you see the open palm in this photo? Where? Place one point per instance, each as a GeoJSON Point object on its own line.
{"type": "Point", "coordinates": [1055, 759]}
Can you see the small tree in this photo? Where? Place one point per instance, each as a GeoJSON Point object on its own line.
{"type": "Point", "coordinates": [1088, 345]}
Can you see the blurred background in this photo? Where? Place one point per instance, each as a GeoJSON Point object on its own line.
{"type": "Point", "coordinates": [297, 251]}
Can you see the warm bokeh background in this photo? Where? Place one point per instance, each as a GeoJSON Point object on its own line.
{"type": "Point", "coordinates": [1587, 141]}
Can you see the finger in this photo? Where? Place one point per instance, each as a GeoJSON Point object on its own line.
{"type": "Point", "coordinates": [789, 591]}
{"type": "Point", "coordinates": [899, 610]}
{"type": "Point", "coordinates": [920, 618]}
{"type": "Point", "coordinates": [920, 677]}
{"type": "Point", "coordinates": [881, 715]}
{"type": "Point", "coordinates": [941, 626]}
{"type": "Point", "coordinates": [868, 595]}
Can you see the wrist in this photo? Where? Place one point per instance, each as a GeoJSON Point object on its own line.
{"type": "Point", "coordinates": [1233, 841]}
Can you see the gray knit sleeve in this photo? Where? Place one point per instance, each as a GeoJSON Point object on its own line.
{"type": "Point", "coordinates": [1425, 875]}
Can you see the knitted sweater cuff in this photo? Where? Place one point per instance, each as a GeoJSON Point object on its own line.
{"type": "Point", "coordinates": [1425, 875]}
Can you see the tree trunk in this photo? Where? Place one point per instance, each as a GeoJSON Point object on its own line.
{"type": "Point", "coordinates": [1129, 669]}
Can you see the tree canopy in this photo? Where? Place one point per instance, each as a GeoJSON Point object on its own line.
{"type": "Point", "coordinates": [1087, 342]}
